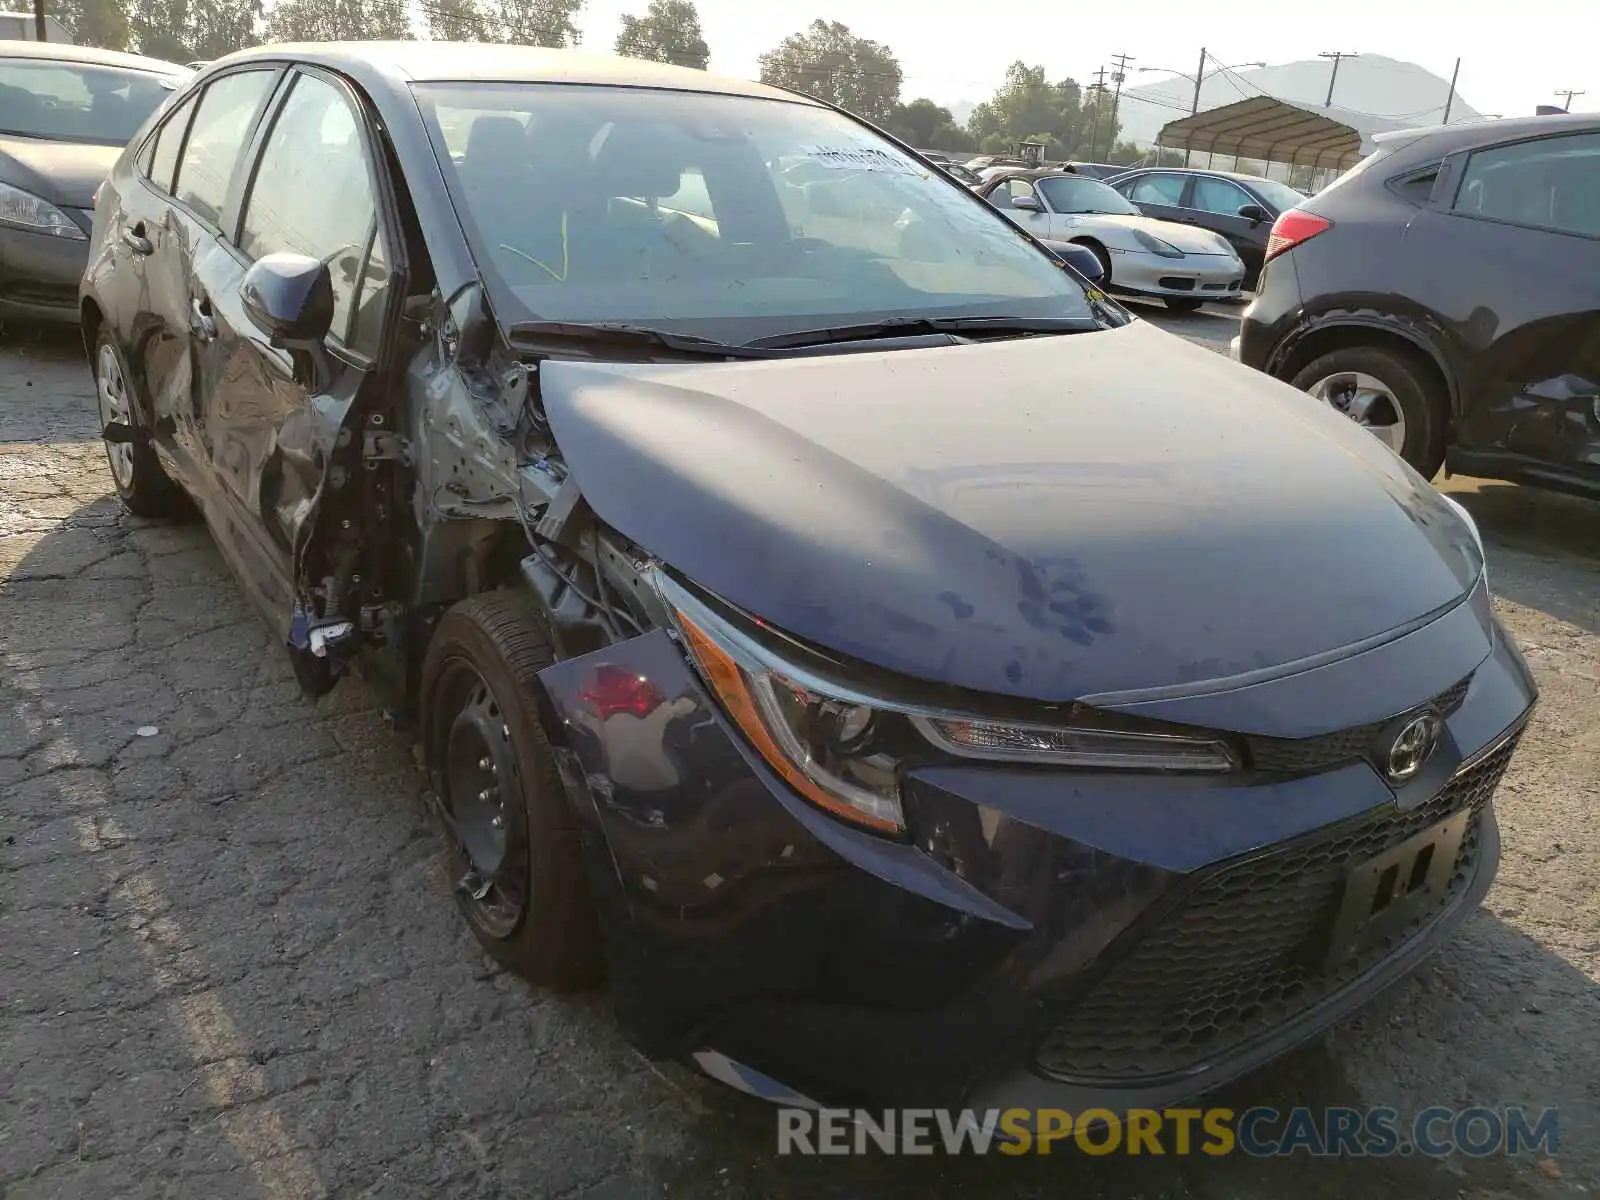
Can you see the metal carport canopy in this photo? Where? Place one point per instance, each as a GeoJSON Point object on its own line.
{"type": "Point", "coordinates": [1273, 130]}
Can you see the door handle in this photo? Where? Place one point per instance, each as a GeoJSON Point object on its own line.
{"type": "Point", "coordinates": [201, 323]}
{"type": "Point", "coordinates": [136, 241]}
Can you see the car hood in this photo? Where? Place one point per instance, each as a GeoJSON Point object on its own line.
{"type": "Point", "coordinates": [1053, 518]}
{"type": "Point", "coordinates": [1117, 232]}
{"type": "Point", "coordinates": [61, 172]}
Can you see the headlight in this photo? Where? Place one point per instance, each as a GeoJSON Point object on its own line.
{"type": "Point", "coordinates": [1109, 749]}
{"type": "Point", "coordinates": [1477, 535]}
{"type": "Point", "coordinates": [1155, 245]}
{"type": "Point", "coordinates": [24, 210]}
{"type": "Point", "coordinates": [843, 749]}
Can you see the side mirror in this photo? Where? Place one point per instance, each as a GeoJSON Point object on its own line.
{"type": "Point", "coordinates": [1080, 258]}
{"type": "Point", "coordinates": [289, 297]}
{"type": "Point", "coordinates": [1253, 213]}
{"type": "Point", "coordinates": [1027, 203]}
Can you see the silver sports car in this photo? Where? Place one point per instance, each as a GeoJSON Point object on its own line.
{"type": "Point", "coordinates": [1183, 265]}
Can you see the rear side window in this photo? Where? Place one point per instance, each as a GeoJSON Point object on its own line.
{"type": "Point", "coordinates": [216, 141]}
{"type": "Point", "coordinates": [313, 195]}
{"type": "Point", "coordinates": [1551, 183]}
{"type": "Point", "coordinates": [166, 145]}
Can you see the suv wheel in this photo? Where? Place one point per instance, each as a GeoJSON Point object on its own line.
{"type": "Point", "coordinates": [1386, 394]}
{"type": "Point", "coordinates": [143, 487]}
{"type": "Point", "coordinates": [516, 859]}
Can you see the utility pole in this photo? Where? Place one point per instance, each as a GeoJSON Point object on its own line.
{"type": "Point", "coordinates": [1119, 73]}
{"type": "Point", "coordinates": [1338, 56]}
{"type": "Point", "coordinates": [1098, 87]}
{"type": "Point", "coordinates": [1569, 93]}
{"type": "Point", "coordinates": [39, 30]}
{"type": "Point", "coordinates": [1449, 101]}
{"type": "Point", "coordinates": [1194, 105]}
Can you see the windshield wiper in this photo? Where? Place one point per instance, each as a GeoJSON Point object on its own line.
{"type": "Point", "coordinates": [621, 334]}
{"type": "Point", "coordinates": [912, 326]}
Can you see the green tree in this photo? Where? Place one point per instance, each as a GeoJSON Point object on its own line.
{"type": "Point", "coordinates": [1029, 107]}
{"type": "Point", "coordinates": [928, 126]}
{"type": "Point", "coordinates": [519, 22]}
{"type": "Point", "coordinates": [826, 60]}
{"type": "Point", "coordinates": [101, 23]}
{"type": "Point", "coordinates": [180, 30]}
{"type": "Point", "coordinates": [668, 32]}
{"type": "Point", "coordinates": [338, 21]}
{"type": "Point", "coordinates": [456, 21]}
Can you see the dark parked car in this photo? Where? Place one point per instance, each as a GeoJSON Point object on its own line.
{"type": "Point", "coordinates": [66, 112]}
{"type": "Point", "coordinates": [1094, 744]}
{"type": "Point", "coordinates": [1445, 293]}
{"type": "Point", "coordinates": [1094, 170]}
{"type": "Point", "coordinates": [1239, 207]}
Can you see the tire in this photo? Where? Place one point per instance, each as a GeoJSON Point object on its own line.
{"type": "Point", "coordinates": [1104, 256]}
{"type": "Point", "coordinates": [483, 661]}
{"type": "Point", "coordinates": [143, 487]}
{"type": "Point", "coordinates": [1415, 394]}
{"type": "Point", "coordinates": [1182, 303]}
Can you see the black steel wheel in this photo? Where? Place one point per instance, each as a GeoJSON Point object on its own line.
{"type": "Point", "coordinates": [516, 859]}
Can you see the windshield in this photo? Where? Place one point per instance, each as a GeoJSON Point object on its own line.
{"type": "Point", "coordinates": [1078, 194]}
{"type": "Point", "coordinates": [73, 102]}
{"type": "Point", "coordinates": [1279, 195]}
{"type": "Point", "coordinates": [722, 216]}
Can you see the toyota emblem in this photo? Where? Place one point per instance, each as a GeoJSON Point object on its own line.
{"type": "Point", "coordinates": [1412, 746]}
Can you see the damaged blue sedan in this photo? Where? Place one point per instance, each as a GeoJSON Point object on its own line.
{"type": "Point", "coordinates": [829, 619]}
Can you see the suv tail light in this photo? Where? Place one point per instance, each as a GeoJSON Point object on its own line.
{"type": "Point", "coordinates": [1293, 226]}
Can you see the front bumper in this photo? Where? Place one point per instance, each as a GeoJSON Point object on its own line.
{"type": "Point", "coordinates": [1195, 276]}
{"type": "Point", "coordinates": [1047, 939]}
{"type": "Point", "coordinates": [39, 275]}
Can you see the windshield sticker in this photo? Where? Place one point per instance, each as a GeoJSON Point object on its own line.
{"type": "Point", "coordinates": [859, 158]}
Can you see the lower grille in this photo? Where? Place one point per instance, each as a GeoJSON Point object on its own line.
{"type": "Point", "coordinates": [1176, 283]}
{"type": "Point", "coordinates": [1242, 954]}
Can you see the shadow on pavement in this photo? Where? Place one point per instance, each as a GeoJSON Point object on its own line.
{"type": "Point", "coordinates": [231, 960]}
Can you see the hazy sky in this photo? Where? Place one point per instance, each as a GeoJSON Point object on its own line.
{"type": "Point", "coordinates": [1512, 55]}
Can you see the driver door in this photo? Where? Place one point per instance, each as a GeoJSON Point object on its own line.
{"type": "Point", "coordinates": [271, 418]}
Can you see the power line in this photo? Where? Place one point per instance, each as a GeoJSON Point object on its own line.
{"type": "Point", "coordinates": [1569, 93]}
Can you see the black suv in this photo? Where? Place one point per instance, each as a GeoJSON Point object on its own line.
{"type": "Point", "coordinates": [1445, 292]}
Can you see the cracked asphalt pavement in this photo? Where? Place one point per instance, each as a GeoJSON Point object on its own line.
{"type": "Point", "coordinates": [230, 965]}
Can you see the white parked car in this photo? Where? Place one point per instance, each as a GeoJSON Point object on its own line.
{"type": "Point", "coordinates": [1181, 264]}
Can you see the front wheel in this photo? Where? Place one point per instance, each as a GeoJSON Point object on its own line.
{"type": "Point", "coordinates": [1387, 394]}
{"type": "Point", "coordinates": [516, 858]}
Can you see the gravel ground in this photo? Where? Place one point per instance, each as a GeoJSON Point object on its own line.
{"type": "Point", "coordinates": [229, 963]}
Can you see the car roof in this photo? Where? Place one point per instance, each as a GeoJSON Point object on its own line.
{"type": "Point", "coordinates": [66, 52]}
{"type": "Point", "coordinates": [1241, 176]}
{"type": "Point", "coordinates": [454, 62]}
{"type": "Point", "coordinates": [1445, 139]}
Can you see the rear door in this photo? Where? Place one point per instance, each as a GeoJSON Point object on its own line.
{"type": "Point", "coordinates": [142, 286]}
{"type": "Point", "coordinates": [272, 419]}
{"type": "Point", "coordinates": [1520, 224]}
